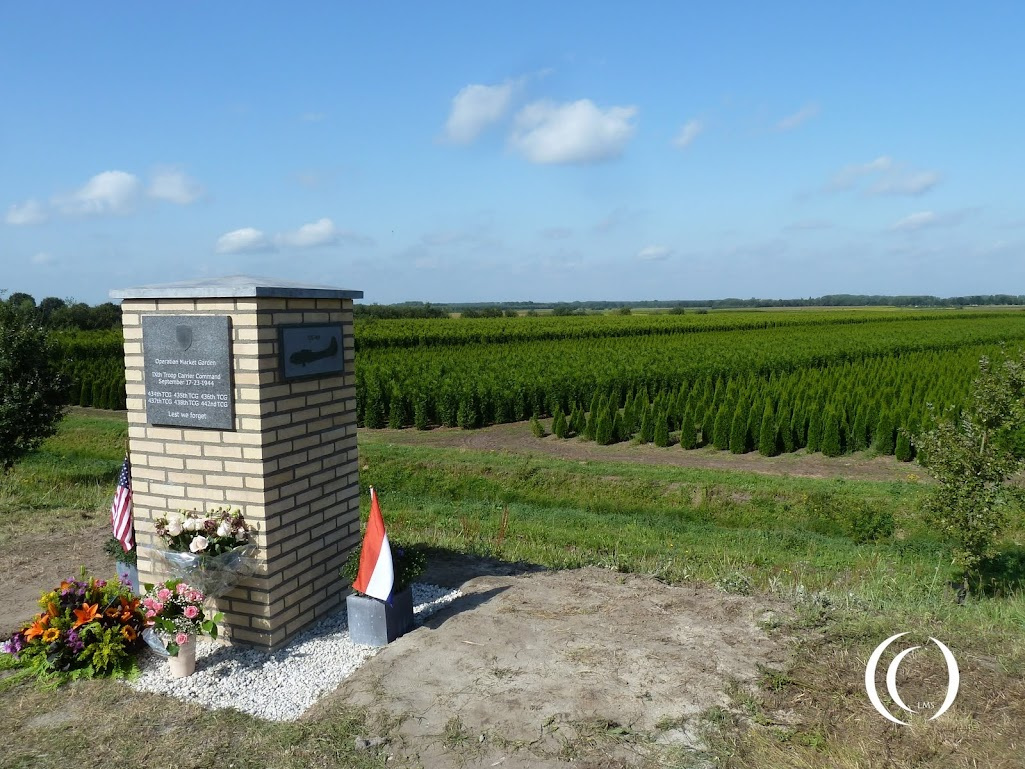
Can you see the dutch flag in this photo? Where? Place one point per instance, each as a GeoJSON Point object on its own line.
{"type": "Point", "coordinates": [376, 573]}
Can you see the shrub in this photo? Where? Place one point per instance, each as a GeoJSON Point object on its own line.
{"type": "Point", "coordinates": [560, 428]}
{"type": "Point", "coordinates": [603, 429]}
{"type": "Point", "coordinates": [33, 394]}
{"type": "Point", "coordinates": [721, 429]}
{"type": "Point", "coordinates": [972, 462]}
{"type": "Point", "coordinates": [832, 442]}
{"type": "Point", "coordinates": [661, 433]}
{"type": "Point", "coordinates": [688, 432]}
{"type": "Point", "coordinates": [768, 437]}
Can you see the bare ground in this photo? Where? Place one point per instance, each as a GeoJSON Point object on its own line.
{"type": "Point", "coordinates": [518, 439]}
{"type": "Point", "coordinates": [35, 562]}
{"type": "Point", "coordinates": [537, 669]}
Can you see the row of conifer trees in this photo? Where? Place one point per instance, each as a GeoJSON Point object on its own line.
{"type": "Point", "coordinates": [873, 403]}
{"type": "Point", "coordinates": [738, 429]}
{"type": "Point", "coordinates": [93, 361]}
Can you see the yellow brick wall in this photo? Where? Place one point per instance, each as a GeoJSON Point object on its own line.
{"type": "Point", "coordinates": [290, 464]}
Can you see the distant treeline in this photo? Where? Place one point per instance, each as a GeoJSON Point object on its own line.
{"type": "Point", "coordinates": [66, 314]}
{"type": "Point", "coordinates": [507, 309]}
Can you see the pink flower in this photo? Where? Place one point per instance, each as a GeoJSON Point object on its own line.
{"type": "Point", "coordinates": [158, 607]}
{"type": "Point", "coordinates": [100, 583]}
{"type": "Point", "coordinates": [191, 612]}
{"type": "Point", "coordinates": [181, 638]}
{"type": "Point", "coordinates": [148, 602]}
{"type": "Point", "coordinates": [195, 596]}
{"type": "Point", "coordinates": [163, 594]}
{"type": "Point", "coordinates": [182, 588]}
{"type": "Point", "coordinates": [150, 614]}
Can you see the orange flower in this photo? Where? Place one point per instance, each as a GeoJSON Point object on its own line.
{"type": "Point", "coordinates": [128, 609]}
{"type": "Point", "coordinates": [37, 628]}
{"type": "Point", "coordinates": [111, 613]}
{"type": "Point", "coordinates": [87, 613]}
{"type": "Point", "coordinates": [129, 633]}
{"type": "Point", "coordinates": [51, 635]}
{"type": "Point", "coordinates": [51, 609]}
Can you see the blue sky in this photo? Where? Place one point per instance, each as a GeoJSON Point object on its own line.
{"type": "Point", "coordinates": [536, 151]}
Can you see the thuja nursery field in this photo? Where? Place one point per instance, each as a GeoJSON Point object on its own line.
{"type": "Point", "coordinates": [836, 381]}
{"type": "Point", "coordinates": [853, 560]}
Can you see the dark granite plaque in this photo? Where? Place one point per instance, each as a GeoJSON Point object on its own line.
{"type": "Point", "coordinates": [312, 351]}
{"type": "Point", "coordinates": [187, 365]}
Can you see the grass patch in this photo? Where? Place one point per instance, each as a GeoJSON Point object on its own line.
{"type": "Point", "coordinates": [68, 483]}
{"type": "Point", "coordinates": [853, 558]}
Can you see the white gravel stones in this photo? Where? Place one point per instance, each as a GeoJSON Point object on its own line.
{"type": "Point", "coordinates": [279, 685]}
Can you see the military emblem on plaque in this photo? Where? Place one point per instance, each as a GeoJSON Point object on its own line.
{"type": "Point", "coordinates": [184, 336]}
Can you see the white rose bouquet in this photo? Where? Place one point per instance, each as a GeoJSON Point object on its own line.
{"type": "Point", "coordinates": [211, 552]}
{"type": "Point", "coordinates": [223, 529]}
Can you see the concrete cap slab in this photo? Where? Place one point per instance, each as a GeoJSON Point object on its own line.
{"type": "Point", "coordinates": [235, 287]}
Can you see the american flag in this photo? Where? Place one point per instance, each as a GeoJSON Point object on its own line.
{"type": "Point", "coordinates": [121, 510]}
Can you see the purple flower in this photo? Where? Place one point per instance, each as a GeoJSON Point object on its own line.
{"type": "Point", "coordinates": [74, 642]}
{"type": "Point", "coordinates": [14, 645]}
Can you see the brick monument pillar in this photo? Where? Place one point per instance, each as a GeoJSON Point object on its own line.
{"type": "Point", "coordinates": [241, 392]}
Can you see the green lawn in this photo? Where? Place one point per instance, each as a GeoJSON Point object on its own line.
{"type": "Point", "coordinates": [854, 559]}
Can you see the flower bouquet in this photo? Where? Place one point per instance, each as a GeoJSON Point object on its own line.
{"type": "Point", "coordinates": [211, 552]}
{"type": "Point", "coordinates": [88, 627]}
{"type": "Point", "coordinates": [175, 609]}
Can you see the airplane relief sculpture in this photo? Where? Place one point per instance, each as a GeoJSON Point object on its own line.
{"type": "Point", "coordinates": [303, 357]}
{"type": "Point", "coordinates": [311, 351]}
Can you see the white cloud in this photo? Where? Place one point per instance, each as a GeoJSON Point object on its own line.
{"type": "Point", "coordinates": [688, 133]}
{"type": "Point", "coordinates": [790, 122]}
{"type": "Point", "coordinates": [110, 192]}
{"type": "Point", "coordinates": [475, 108]}
{"type": "Point", "coordinates": [916, 221]}
{"type": "Point", "coordinates": [913, 183]}
{"type": "Point", "coordinates": [319, 233]}
{"type": "Point", "coordinates": [884, 176]}
{"type": "Point", "coordinates": [922, 219]}
{"type": "Point", "coordinates": [574, 132]}
{"type": "Point", "coordinates": [41, 258]}
{"type": "Point", "coordinates": [245, 240]}
{"type": "Point", "coordinates": [653, 253]}
{"type": "Point", "coordinates": [29, 212]}
{"type": "Point", "coordinates": [848, 176]}
{"type": "Point", "coordinates": [174, 186]}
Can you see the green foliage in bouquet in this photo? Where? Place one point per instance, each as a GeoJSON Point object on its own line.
{"type": "Point", "coordinates": [88, 628]}
{"type": "Point", "coordinates": [112, 547]}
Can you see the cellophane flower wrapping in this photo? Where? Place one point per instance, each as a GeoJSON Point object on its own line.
{"type": "Point", "coordinates": [214, 575]}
